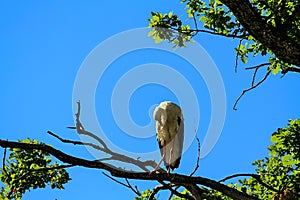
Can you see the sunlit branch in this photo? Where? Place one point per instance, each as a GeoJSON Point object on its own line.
{"type": "Point", "coordinates": [114, 156]}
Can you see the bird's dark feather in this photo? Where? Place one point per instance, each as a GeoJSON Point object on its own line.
{"type": "Point", "coordinates": [178, 120]}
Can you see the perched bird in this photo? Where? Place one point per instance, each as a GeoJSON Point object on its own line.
{"type": "Point", "coordinates": [169, 134]}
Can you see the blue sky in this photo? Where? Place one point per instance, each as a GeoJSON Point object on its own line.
{"type": "Point", "coordinates": [43, 46]}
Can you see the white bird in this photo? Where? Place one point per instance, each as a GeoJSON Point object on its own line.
{"type": "Point", "coordinates": [169, 134]}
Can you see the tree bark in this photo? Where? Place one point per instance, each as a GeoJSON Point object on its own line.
{"type": "Point", "coordinates": [278, 42]}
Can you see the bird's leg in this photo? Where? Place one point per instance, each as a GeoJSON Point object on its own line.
{"type": "Point", "coordinates": [171, 150]}
{"type": "Point", "coordinates": [162, 158]}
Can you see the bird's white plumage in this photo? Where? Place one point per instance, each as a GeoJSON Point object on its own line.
{"type": "Point", "coordinates": [169, 132]}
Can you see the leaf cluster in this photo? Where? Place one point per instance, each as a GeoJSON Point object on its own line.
{"type": "Point", "coordinates": [169, 27]}
{"type": "Point", "coordinates": [30, 169]}
{"type": "Point", "coordinates": [281, 169]}
{"type": "Point", "coordinates": [217, 19]}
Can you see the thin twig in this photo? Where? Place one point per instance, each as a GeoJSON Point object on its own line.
{"type": "Point", "coordinates": [79, 143]}
{"type": "Point", "coordinates": [114, 179]}
{"type": "Point", "coordinates": [171, 195]}
{"type": "Point", "coordinates": [258, 66]}
{"type": "Point", "coordinates": [128, 185]}
{"type": "Point", "coordinates": [155, 191]}
{"type": "Point", "coordinates": [255, 176]}
{"type": "Point", "coordinates": [254, 76]}
{"type": "Point", "coordinates": [250, 88]}
{"type": "Point", "coordinates": [165, 186]}
{"type": "Point", "coordinates": [174, 191]}
{"type": "Point", "coordinates": [134, 189]}
{"type": "Point", "coordinates": [80, 129]}
{"type": "Point", "coordinates": [196, 25]}
{"type": "Point", "coordinates": [198, 158]}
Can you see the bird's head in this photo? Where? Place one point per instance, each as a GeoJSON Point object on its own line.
{"type": "Point", "coordinates": [160, 115]}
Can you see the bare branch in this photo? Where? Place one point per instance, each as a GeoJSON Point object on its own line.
{"type": "Point", "coordinates": [251, 88]}
{"type": "Point", "coordinates": [80, 129]}
{"type": "Point", "coordinates": [258, 66]}
{"type": "Point", "coordinates": [134, 189]}
{"type": "Point", "coordinates": [198, 157]}
{"type": "Point", "coordinates": [195, 23]}
{"type": "Point", "coordinates": [114, 156]}
{"type": "Point", "coordinates": [254, 76]}
{"type": "Point", "coordinates": [128, 185]}
{"type": "Point", "coordinates": [255, 176]}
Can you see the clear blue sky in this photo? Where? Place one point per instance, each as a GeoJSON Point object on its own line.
{"type": "Point", "coordinates": [43, 46]}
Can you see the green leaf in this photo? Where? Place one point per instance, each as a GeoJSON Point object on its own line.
{"type": "Point", "coordinates": [276, 70]}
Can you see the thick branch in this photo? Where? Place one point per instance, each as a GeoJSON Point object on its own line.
{"type": "Point", "coordinates": [290, 69]}
{"type": "Point", "coordinates": [282, 46]}
{"type": "Point", "coordinates": [175, 178]}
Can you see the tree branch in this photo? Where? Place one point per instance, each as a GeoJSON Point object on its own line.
{"type": "Point", "coordinates": [209, 32]}
{"type": "Point", "coordinates": [128, 185]}
{"type": "Point", "coordinates": [116, 172]}
{"type": "Point", "coordinates": [250, 88]}
{"type": "Point", "coordinates": [198, 157]}
{"type": "Point", "coordinates": [114, 156]}
{"type": "Point", "coordinates": [258, 66]}
{"type": "Point", "coordinates": [290, 69]}
{"type": "Point", "coordinates": [255, 176]}
{"type": "Point", "coordinates": [285, 48]}
{"type": "Point", "coordinates": [3, 162]}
